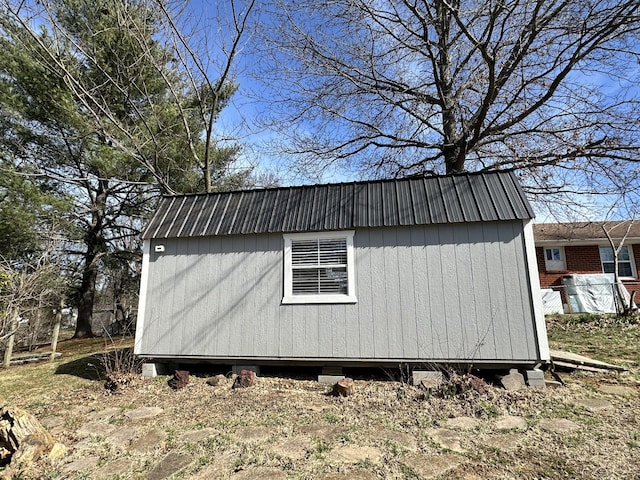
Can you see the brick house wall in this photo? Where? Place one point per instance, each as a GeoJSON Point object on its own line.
{"type": "Point", "coordinates": [583, 259]}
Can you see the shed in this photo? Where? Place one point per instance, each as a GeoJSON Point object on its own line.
{"type": "Point", "coordinates": [419, 270]}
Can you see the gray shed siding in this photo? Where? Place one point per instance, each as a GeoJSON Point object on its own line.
{"type": "Point", "coordinates": [448, 292]}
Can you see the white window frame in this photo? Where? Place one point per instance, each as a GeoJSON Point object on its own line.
{"type": "Point", "coordinates": [288, 296]}
{"type": "Point", "coordinates": [555, 265]}
{"type": "Point", "coordinates": [634, 272]}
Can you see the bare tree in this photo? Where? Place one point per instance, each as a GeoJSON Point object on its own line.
{"type": "Point", "coordinates": [446, 86]}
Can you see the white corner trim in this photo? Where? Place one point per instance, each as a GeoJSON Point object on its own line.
{"type": "Point", "coordinates": [536, 296]}
{"type": "Point", "coordinates": [142, 297]}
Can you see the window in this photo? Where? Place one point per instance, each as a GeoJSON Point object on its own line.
{"type": "Point", "coordinates": [554, 259]}
{"type": "Point", "coordinates": [319, 268]}
{"type": "Point", "coordinates": [625, 264]}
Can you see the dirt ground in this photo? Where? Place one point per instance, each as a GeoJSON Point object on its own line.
{"type": "Point", "coordinates": [287, 427]}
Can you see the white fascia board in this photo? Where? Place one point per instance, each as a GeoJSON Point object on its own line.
{"type": "Point", "coordinates": [142, 297]}
{"type": "Point", "coordinates": [536, 296]}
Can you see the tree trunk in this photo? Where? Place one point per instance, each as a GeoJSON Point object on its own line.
{"type": "Point", "coordinates": [94, 240]}
{"type": "Point", "coordinates": [56, 330]}
{"type": "Point", "coordinates": [13, 326]}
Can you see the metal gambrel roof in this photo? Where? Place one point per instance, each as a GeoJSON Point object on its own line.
{"type": "Point", "coordinates": [474, 197]}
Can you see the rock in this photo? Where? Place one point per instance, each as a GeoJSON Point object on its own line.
{"type": "Point", "coordinates": [356, 454]}
{"type": "Point", "coordinates": [558, 425]}
{"type": "Point", "coordinates": [23, 439]}
{"type": "Point", "coordinates": [121, 437]}
{"type": "Point", "coordinates": [618, 390]}
{"type": "Point", "coordinates": [295, 448]}
{"type": "Point", "coordinates": [260, 473]}
{"type": "Point", "coordinates": [511, 422]}
{"type": "Point", "coordinates": [463, 423]}
{"type": "Point", "coordinates": [253, 434]}
{"type": "Point", "coordinates": [201, 435]}
{"type": "Point", "coordinates": [217, 380]}
{"type": "Point", "coordinates": [326, 433]}
{"type": "Point", "coordinates": [353, 474]}
{"type": "Point", "coordinates": [57, 452]}
{"type": "Point", "coordinates": [115, 468]}
{"type": "Point", "coordinates": [179, 380]}
{"type": "Point", "coordinates": [143, 413]}
{"type": "Point", "coordinates": [344, 388]}
{"type": "Point", "coordinates": [148, 442]}
{"type": "Point", "coordinates": [503, 441]}
{"type": "Point", "coordinates": [170, 464]}
{"type": "Point", "coordinates": [593, 404]}
{"type": "Point", "coordinates": [513, 381]}
{"type": "Point", "coordinates": [96, 429]}
{"type": "Point", "coordinates": [431, 466]}
{"type": "Point", "coordinates": [447, 439]}
{"type": "Point", "coordinates": [105, 414]}
{"type": "Point", "coordinates": [246, 379]}
{"type": "Point", "coordinates": [401, 439]}
{"type": "Point", "coordinates": [83, 463]}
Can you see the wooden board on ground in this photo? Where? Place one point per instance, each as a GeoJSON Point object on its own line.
{"type": "Point", "coordinates": [564, 359]}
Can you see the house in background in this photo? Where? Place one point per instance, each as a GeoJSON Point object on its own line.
{"type": "Point", "coordinates": [564, 249]}
{"type": "Point", "coordinates": [417, 271]}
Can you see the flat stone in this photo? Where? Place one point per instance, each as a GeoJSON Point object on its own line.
{"type": "Point", "coordinates": [618, 390]}
{"type": "Point", "coordinates": [81, 464]}
{"type": "Point", "coordinates": [463, 423]}
{"type": "Point", "coordinates": [355, 454]}
{"type": "Point", "coordinates": [402, 439]}
{"type": "Point", "coordinates": [351, 475]}
{"type": "Point", "coordinates": [260, 473]}
{"type": "Point", "coordinates": [105, 414]}
{"type": "Point", "coordinates": [253, 434]}
{"type": "Point", "coordinates": [326, 433]}
{"type": "Point", "coordinates": [57, 452]}
{"type": "Point", "coordinates": [219, 467]}
{"type": "Point", "coordinates": [593, 403]}
{"type": "Point", "coordinates": [513, 381]}
{"type": "Point", "coordinates": [447, 439]}
{"type": "Point", "coordinates": [170, 464]}
{"type": "Point", "coordinates": [195, 436]}
{"type": "Point", "coordinates": [503, 441]}
{"type": "Point", "coordinates": [120, 466]}
{"type": "Point", "coordinates": [427, 378]}
{"type": "Point", "coordinates": [511, 422]}
{"type": "Point", "coordinates": [52, 422]}
{"type": "Point", "coordinates": [148, 442]}
{"type": "Point", "coordinates": [430, 466]}
{"type": "Point", "coordinates": [96, 429]}
{"type": "Point", "coordinates": [122, 436]}
{"type": "Point", "coordinates": [295, 448]}
{"type": "Point", "coordinates": [558, 425]}
{"type": "Point", "coordinates": [143, 413]}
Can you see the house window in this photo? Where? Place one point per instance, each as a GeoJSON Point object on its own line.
{"type": "Point", "coordinates": [625, 264]}
{"type": "Point", "coordinates": [554, 259]}
{"type": "Point", "coordinates": [319, 268]}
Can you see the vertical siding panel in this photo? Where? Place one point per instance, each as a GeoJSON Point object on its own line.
{"type": "Point", "coordinates": [407, 294]}
{"type": "Point", "coordinates": [364, 276]}
{"type": "Point", "coordinates": [316, 328]}
{"type": "Point", "coordinates": [192, 325]}
{"type": "Point", "coordinates": [155, 321]}
{"type": "Point", "coordinates": [252, 321]}
{"type": "Point", "coordinates": [378, 295]}
{"type": "Point", "coordinates": [338, 331]}
{"type": "Point", "coordinates": [518, 300]}
{"type": "Point", "coordinates": [455, 338]}
{"type": "Point", "coordinates": [227, 342]}
{"type": "Point", "coordinates": [483, 289]}
{"type": "Point", "coordinates": [170, 334]}
{"type": "Point", "coordinates": [421, 296]}
{"type": "Point", "coordinates": [466, 293]}
{"type": "Point", "coordinates": [439, 281]}
{"type": "Point", "coordinates": [499, 312]}
{"type": "Point", "coordinates": [270, 291]}
{"type": "Point", "coordinates": [393, 312]}
{"type": "Point", "coordinates": [290, 333]}
{"type": "Point", "coordinates": [212, 265]}
{"type": "Point", "coordinates": [201, 284]}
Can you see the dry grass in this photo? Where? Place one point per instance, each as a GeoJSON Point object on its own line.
{"type": "Point", "coordinates": [291, 428]}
